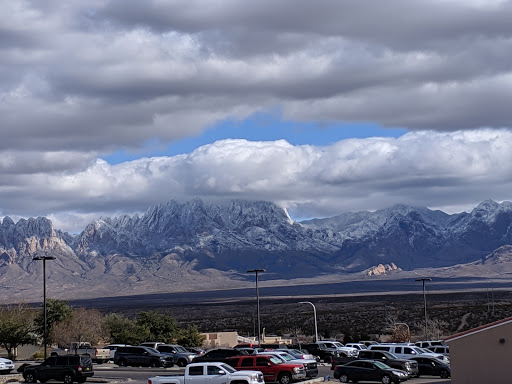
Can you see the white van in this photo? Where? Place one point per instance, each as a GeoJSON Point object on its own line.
{"type": "Point", "coordinates": [402, 351]}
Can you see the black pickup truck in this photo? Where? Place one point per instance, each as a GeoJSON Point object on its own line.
{"type": "Point", "coordinates": [409, 366]}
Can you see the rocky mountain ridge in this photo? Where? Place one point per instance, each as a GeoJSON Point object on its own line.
{"type": "Point", "coordinates": [197, 245]}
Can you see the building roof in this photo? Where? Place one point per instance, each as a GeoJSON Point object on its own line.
{"type": "Point", "coordinates": [479, 329]}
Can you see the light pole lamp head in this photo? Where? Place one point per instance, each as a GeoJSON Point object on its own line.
{"type": "Point", "coordinates": [424, 279]}
{"type": "Point", "coordinates": [256, 270]}
{"type": "Point", "coordinates": [37, 258]}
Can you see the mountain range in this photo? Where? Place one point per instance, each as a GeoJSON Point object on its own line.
{"type": "Point", "coordinates": [195, 245]}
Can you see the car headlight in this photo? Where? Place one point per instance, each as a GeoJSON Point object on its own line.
{"type": "Point", "coordinates": [399, 373]}
{"type": "Point", "coordinates": [296, 370]}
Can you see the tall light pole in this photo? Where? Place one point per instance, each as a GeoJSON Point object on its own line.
{"type": "Point", "coordinates": [256, 271]}
{"type": "Point", "coordinates": [314, 313]}
{"type": "Point", "coordinates": [423, 279]}
{"type": "Point", "coordinates": [45, 331]}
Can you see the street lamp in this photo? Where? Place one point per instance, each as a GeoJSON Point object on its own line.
{"type": "Point", "coordinates": [45, 332]}
{"type": "Point", "coordinates": [423, 279]}
{"type": "Point", "coordinates": [256, 271]}
{"type": "Point", "coordinates": [314, 313]}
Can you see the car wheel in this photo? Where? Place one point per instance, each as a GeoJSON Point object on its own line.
{"type": "Point", "coordinates": [182, 363]}
{"type": "Point", "coordinates": [285, 378]}
{"type": "Point", "coordinates": [30, 378]}
{"type": "Point", "coordinates": [385, 379]}
{"type": "Point", "coordinates": [68, 378]}
{"type": "Point", "coordinates": [122, 363]}
{"type": "Point", "coordinates": [444, 374]}
{"type": "Point", "coordinates": [344, 378]}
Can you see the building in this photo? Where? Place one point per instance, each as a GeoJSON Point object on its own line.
{"type": "Point", "coordinates": [482, 355]}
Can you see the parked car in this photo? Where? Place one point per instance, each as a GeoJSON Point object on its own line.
{"type": "Point", "coordinates": [141, 356]}
{"type": "Point", "coordinates": [180, 355]}
{"type": "Point", "coordinates": [432, 366]}
{"type": "Point", "coordinates": [211, 373]}
{"type": "Point", "coordinates": [272, 367]}
{"type": "Point", "coordinates": [310, 365]}
{"type": "Point", "coordinates": [196, 350]}
{"type": "Point", "coordinates": [441, 349]}
{"type": "Point", "coordinates": [6, 366]}
{"type": "Point", "coordinates": [342, 349]}
{"type": "Point", "coordinates": [68, 368]}
{"type": "Point", "coordinates": [97, 354]}
{"type": "Point", "coordinates": [440, 356]}
{"type": "Point", "coordinates": [368, 342]}
{"type": "Point", "coordinates": [402, 350]}
{"type": "Point", "coordinates": [113, 349]}
{"type": "Point", "coordinates": [218, 355]}
{"type": "Point", "coordinates": [297, 353]}
{"type": "Point", "coordinates": [409, 366]}
{"type": "Point", "coordinates": [368, 370]}
{"type": "Point", "coordinates": [429, 343]}
{"type": "Point", "coordinates": [358, 346]}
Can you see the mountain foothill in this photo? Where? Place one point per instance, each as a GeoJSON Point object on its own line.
{"type": "Point", "coordinates": [196, 245]}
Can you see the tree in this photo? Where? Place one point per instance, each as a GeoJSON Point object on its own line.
{"type": "Point", "coordinates": [56, 311]}
{"type": "Point", "coordinates": [400, 333]}
{"type": "Point", "coordinates": [191, 337]}
{"type": "Point", "coordinates": [16, 327]}
{"type": "Point", "coordinates": [125, 331]}
{"type": "Point", "coordinates": [159, 327]}
{"type": "Point", "coordinates": [84, 325]}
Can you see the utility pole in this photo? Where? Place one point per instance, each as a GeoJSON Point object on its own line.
{"type": "Point", "coordinates": [45, 331]}
{"type": "Point", "coordinates": [256, 271]}
{"type": "Point", "coordinates": [423, 279]}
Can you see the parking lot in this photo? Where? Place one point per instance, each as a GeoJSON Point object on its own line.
{"type": "Point", "coordinates": [111, 373]}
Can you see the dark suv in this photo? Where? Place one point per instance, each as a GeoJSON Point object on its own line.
{"type": "Point", "coordinates": [65, 368]}
{"type": "Point", "coordinates": [218, 355]}
{"type": "Point", "coordinates": [141, 356]}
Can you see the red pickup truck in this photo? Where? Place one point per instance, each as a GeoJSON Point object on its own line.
{"type": "Point", "coordinates": [273, 368]}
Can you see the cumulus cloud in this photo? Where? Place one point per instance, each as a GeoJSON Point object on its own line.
{"type": "Point", "coordinates": [439, 170]}
{"type": "Point", "coordinates": [80, 80]}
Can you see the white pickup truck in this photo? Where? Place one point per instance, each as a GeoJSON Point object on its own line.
{"type": "Point", "coordinates": [211, 373]}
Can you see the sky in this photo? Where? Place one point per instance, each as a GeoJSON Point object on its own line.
{"type": "Point", "coordinates": [323, 107]}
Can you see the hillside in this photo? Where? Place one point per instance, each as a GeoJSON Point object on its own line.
{"type": "Point", "coordinates": [201, 246]}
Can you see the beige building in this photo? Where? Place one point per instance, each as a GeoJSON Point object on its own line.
{"type": "Point", "coordinates": [220, 339]}
{"type": "Point", "coordinates": [482, 355]}
{"type": "Point", "coordinates": [230, 339]}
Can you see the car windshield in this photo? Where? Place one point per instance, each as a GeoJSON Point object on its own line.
{"type": "Point", "coordinates": [286, 356]}
{"type": "Point", "coordinates": [179, 348]}
{"type": "Point", "coordinates": [228, 368]}
{"type": "Point", "coordinates": [280, 358]}
{"type": "Point", "coordinates": [338, 345]}
{"type": "Point", "coordinates": [276, 360]}
{"type": "Point", "coordinates": [390, 355]}
{"type": "Point", "coordinates": [381, 365]}
{"type": "Point", "coordinates": [153, 350]}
